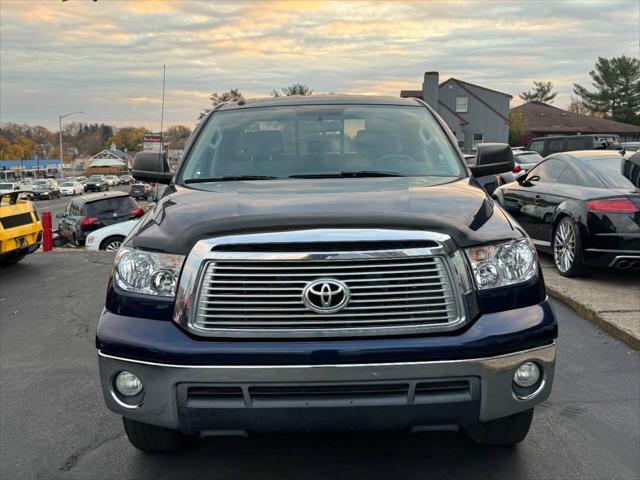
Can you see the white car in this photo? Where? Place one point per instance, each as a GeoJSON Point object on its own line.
{"type": "Point", "coordinates": [71, 188]}
{"type": "Point", "coordinates": [8, 187]}
{"type": "Point", "coordinates": [109, 238]}
{"type": "Point", "coordinates": [112, 180]}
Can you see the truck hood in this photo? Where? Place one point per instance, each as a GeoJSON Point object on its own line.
{"type": "Point", "coordinates": [459, 208]}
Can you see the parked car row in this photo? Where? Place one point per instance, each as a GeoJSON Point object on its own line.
{"type": "Point", "coordinates": [96, 210]}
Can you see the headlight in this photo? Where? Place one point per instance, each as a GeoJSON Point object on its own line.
{"type": "Point", "coordinates": [150, 273]}
{"type": "Point", "coordinates": [503, 264]}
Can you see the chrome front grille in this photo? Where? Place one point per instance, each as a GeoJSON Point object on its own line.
{"type": "Point", "coordinates": [260, 295]}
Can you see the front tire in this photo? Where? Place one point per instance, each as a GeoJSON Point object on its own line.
{"type": "Point", "coordinates": [152, 439]}
{"type": "Point", "coordinates": [112, 244]}
{"type": "Point", "coordinates": [502, 431]}
{"type": "Point", "coordinates": [567, 248]}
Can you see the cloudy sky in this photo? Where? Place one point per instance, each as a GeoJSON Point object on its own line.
{"type": "Point", "coordinates": [105, 58]}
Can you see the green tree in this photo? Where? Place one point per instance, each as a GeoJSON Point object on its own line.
{"type": "Point", "coordinates": [127, 138]}
{"type": "Point", "coordinates": [295, 89]}
{"type": "Point", "coordinates": [517, 129]}
{"type": "Point", "coordinates": [176, 136]}
{"type": "Point", "coordinates": [541, 92]}
{"type": "Point", "coordinates": [216, 98]}
{"type": "Point", "coordinates": [617, 89]}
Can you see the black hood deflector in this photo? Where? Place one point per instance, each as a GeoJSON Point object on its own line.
{"type": "Point", "coordinates": [460, 209]}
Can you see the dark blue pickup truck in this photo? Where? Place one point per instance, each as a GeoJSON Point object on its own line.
{"type": "Point", "coordinates": [320, 264]}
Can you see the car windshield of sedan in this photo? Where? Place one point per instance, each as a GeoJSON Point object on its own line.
{"type": "Point", "coordinates": [68, 184]}
{"type": "Point", "coordinates": [95, 178]}
{"type": "Point", "coordinates": [322, 141]}
{"type": "Point", "coordinates": [610, 170]}
{"type": "Point", "coordinates": [41, 186]}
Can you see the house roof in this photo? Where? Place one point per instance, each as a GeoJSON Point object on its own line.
{"type": "Point", "coordinates": [117, 154]}
{"type": "Point", "coordinates": [418, 93]}
{"type": "Point", "coordinates": [543, 118]}
{"type": "Point", "coordinates": [467, 84]}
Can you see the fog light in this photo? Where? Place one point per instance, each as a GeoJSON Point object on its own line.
{"type": "Point", "coordinates": [128, 384]}
{"type": "Point", "coordinates": [527, 375]}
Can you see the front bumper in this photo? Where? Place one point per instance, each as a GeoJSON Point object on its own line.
{"type": "Point", "coordinates": [406, 395]}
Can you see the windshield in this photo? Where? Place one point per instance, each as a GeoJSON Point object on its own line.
{"type": "Point", "coordinates": [109, 206]}
{"type": "Point", "coordinates": [40, 182]}
{"type": "Point", "coordinates": [532, 157]}
{"type": "Point", "coordinates": [610, 170]}
{"type": "Point", "coordinates": [321, 140]}
{"type": "Point", "coordinates": [6, 186]}
{"type": "Point", "coordinates": [67, 184]}
{"type": "Point", "coordinates": [40, 186]}
{"type": "Point", "coordinates": [95, 178]}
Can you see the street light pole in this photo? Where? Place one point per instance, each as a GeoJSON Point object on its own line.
{"type": "Point", "coordinates": [60, 117]}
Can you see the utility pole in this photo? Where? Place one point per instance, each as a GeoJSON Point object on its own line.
{"type": "Point", "coordinates": [60, 117]}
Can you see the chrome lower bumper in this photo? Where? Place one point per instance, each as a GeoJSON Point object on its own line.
{"type": "Point", "coordinates": [162, 406]}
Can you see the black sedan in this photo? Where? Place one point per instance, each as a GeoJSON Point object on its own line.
{"type": "Point", "coordinates": [580, 207]}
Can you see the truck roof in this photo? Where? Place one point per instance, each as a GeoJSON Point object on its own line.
{"type": "Point", "coordinates": [319, 100]}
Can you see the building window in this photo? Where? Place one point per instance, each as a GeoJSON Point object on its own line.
{"type": "Point", "coordinates": [462, 104]}
{"type": "Point", "coordinates": [477, 138]}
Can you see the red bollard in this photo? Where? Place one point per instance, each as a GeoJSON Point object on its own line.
{"type": "Point", "coordinates": [47, 233]}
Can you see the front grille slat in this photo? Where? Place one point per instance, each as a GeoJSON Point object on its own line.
{"type": "Point", "coordinates": [266, 296]}
{"type": "Point", "coordinates": [303, 309]}
{"type": "Point", "coordinates": [338, 277]}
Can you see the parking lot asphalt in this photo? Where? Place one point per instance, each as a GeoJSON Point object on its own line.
{"type": "Point", "coordinates": [608, 297]}
{"type": "Point", "coordinates": [53, 424]}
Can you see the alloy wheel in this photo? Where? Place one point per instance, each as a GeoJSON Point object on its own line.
{"type": "Point", "coordinates": [113, 245]}
{"type": "Point", "coordinates": [564, 246]}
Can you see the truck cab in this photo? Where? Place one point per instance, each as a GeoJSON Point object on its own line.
{"type": "Point", "coordinates": [321, 264]}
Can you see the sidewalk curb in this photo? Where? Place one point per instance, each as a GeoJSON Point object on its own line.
{"type": "Point", "coordinates": [595, 318]}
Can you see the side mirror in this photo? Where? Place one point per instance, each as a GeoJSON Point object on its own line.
{"type": "Point", "coordinates": [492, 159]}
{"type": "Point", "coordinates": [152, 167]}
{"type": "Point", "coordinates": [60, 215]}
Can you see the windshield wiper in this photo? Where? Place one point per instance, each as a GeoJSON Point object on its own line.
{"type": "Point", "coordinates": [354, 174]}
{"type": "Point", "coordinates": [230, 178]}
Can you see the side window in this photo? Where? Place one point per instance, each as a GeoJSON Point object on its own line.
{"type": "Point", "coordinates": [537, 146]}
{"type": "Point", "coordinates": [569, 177]}
{"type": "Point", "coordinates": [462, 104]}
{"type": "Point", "coordinates": [574, 144]}
{"type": "Point", "coordinates": [547, 171]}
{"type": "Point", "coordinates": [556, 145]}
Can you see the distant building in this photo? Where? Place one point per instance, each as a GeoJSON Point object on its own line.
{"type": "Point", "coordinates": [543, 120]}
{"type": "Point", "coordinates": [38, 168]}
{"type": "Point", "coordinates": [109, 158]}
{"type": "Point", "coordinates": [475, 114]}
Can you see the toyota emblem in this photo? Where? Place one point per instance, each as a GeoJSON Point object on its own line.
{"type": "Point", "coordinates": [325, 295]}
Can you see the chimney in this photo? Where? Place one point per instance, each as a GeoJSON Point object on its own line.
{"type": "Point", "coordinates": [430, 89]}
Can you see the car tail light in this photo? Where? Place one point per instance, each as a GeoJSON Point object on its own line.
{"type": "Point", "coordinates": [137, 212]}
{"type": "Point", "coordinates": [85, 222]}
{"type": "Point", "coordinates": [517, 169]}
{"type": "Point", "coordinates": [612, 205]}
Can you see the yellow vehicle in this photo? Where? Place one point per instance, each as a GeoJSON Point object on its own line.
{"type": "Point", "coordinates": [20, 228]}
